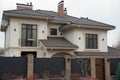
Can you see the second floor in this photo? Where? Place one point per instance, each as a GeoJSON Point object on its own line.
{"type": "Point", "coordinates": [26, 28]}
{"type": "Point", "coordinates": [28, 33]}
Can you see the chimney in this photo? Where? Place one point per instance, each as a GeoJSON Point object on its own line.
{"type": "Point", "coordinates": [27, 6]}
{"type": "Point", "coordinates": [65, 11]}
{"type": "Point", "coordinates": [61, 10]}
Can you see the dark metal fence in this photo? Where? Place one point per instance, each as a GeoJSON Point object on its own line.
{"type": "Point", "coordinates": [43, 67]}
{"type": "Point", "coordinates": [80, 67]}
{"type": "Point", "coordinates": [11, 67]}
{"type": "Point", "coordinates": [49, 67]}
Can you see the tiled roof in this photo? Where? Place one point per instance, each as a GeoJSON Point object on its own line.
{"type": "Point", "coordinates": [27, 13]}
{"type": "Point", "coordinates": [58, 42]}
{"type": "Point", "coordinates": [57, 18]}
{"type": "Point", "coordinates": [111, 52]}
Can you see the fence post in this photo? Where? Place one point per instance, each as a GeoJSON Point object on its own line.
{"type": "Point", "coordinates": [93, 71]}
{"type": "Point", "coordinates": [67, 67]}
{"type": "Point", "coordinates": [30, 65]}
{"type": "Point", "coordinates": [107, 69]}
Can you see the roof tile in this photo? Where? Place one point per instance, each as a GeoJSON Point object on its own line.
{"type": "Point", "coordinates": [57, 17]}
{"type": "Point", "coordinates": [58, 42]}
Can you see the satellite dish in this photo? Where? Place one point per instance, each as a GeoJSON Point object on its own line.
{"type": "Point", "coordinates": [4, 22]}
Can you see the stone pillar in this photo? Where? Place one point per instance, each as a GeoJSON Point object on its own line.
{"type": "Point", "coordinates": [93, 71]}
{"type": "Point", "coordinates": [30, 65]}
{"type": "Point", "coordinates": [107, 69]}
{"type": "Point", "coordinates": [67, 67]}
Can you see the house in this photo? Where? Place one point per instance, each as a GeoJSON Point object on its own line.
{"type": "Point", "coordinates": [47, 34]}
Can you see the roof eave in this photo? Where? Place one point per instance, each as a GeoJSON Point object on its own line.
{"type": "Point", "coordinates": [70, 26]}
{"type": "Point", "coordinates": [98, 54]}
{"type": "Point", "coordinates": [61, 22]}
{"type": "Point", "coordinates": [52, 47]}
{"type": "Point", "coordinates": [98, 27]}
{"type": "Point", "coordinates": [26, 16]}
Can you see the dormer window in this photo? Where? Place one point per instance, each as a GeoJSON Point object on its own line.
{"type": "Point", "coordinates": [53, 31]}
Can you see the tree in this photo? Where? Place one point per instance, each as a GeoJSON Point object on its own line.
{"type": "Point", "coordinates": [118, 72]}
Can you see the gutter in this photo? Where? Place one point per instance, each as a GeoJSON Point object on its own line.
{"type": "Point", "coordinates": [69, 26]}
{"type": "Point", "coordinates": [61, 48]}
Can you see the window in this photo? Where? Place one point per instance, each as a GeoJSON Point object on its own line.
{"type": "Point", "coordinates": [53, 31]}
{"type": "Point", "coordinates": [91, 41]}
{"type": "Point", "coordinates": [29, 35]}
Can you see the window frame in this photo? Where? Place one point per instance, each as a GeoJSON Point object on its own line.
{"type": "Point", "coordinates": [29, 41]}
{"type": "Point", "coordinates": [91, 41]}
{"type": "Point", "coordinates": [56, 33]}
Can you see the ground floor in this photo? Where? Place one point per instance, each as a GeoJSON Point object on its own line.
{"type": "Point", "coordinates": [97, 64]}
{"type": "Point", "coordinates": [68, 67]}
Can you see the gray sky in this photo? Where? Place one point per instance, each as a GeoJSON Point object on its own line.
{"type": "Point", "coordinates": [106, 11]}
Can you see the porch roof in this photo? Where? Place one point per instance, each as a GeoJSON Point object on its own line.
{"type": "Point", "coordinates": [58, 43]}
{"type": "Point", "coordinates": [111, 52]}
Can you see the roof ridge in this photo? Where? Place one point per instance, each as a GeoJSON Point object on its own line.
{"type": "Point", "coordinates": [43, 13]}
{"type": "Point", "coordinates": [57, 18]}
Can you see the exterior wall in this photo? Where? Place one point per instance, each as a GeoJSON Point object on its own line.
{"type": "Point", "coordinates": [54, 26]}
{"type": "Point", "coordinates": [15, 36]}
{"type": "Point", "coordinates": [51, 52]}
{"type": "Point", "coordinates": [77, 37]}
{"type": "Point", "coordinates": [7, 37]}
{"type": "Point", "coordinates": [16, 52]}
{"type": "Point", "coordinates": [12, 53]}
{"type": "Point", "coordinates": [70, 35]}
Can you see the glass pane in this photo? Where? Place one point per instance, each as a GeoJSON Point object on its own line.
{"type": "Point", "coordinates": [34, 37]}
{"type": "Point", "coordinates": [34, 27]}
{"type": "Point", "coordinates": [29, 34]}
{"type": "Point", "coordinates": [86, 35]}
{"type": "Point", "coordinates": [34, 34]}
{"type": "Point", "coordinates": [29, 43]}
{"type": "Point", "coordinates": [24, 26]}
{"type": "Point", "coordinates": [23, 37]}
{"type": "Point", "coordinates": [86, 43]}
{"type": "Point", "coordinates": [53, 31]}
{"type": "Point", "coordinates": [91, 41]}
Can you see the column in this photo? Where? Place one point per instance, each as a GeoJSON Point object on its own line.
{"type": "Point", "coordinates": [107, 69]}
{"type": "Point", "coordinates": [93, 71]}
{"type": "Point", "coordinates": [67, 67]}
{"type": "Point", "coordinates": [30, 65]}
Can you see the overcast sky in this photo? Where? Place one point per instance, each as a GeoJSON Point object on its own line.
{"type": "Point", "coordinates": [106, 11]}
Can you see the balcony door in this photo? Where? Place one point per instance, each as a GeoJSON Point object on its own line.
{"type": "Point", "coordinates": [29, 35]}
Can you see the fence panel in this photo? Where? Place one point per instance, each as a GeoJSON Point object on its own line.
{"type": "Point", "coordinates": [80, 67]}
{"type": "Point", "coordinates": [11, 67]}
{"type": "Point", "coordinates": [49, 67]}
{"type": "Point", "coordinates": [113, 65]}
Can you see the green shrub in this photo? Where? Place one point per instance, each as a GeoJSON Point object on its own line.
{"type": "Point", "coordinates": [118, 72]}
